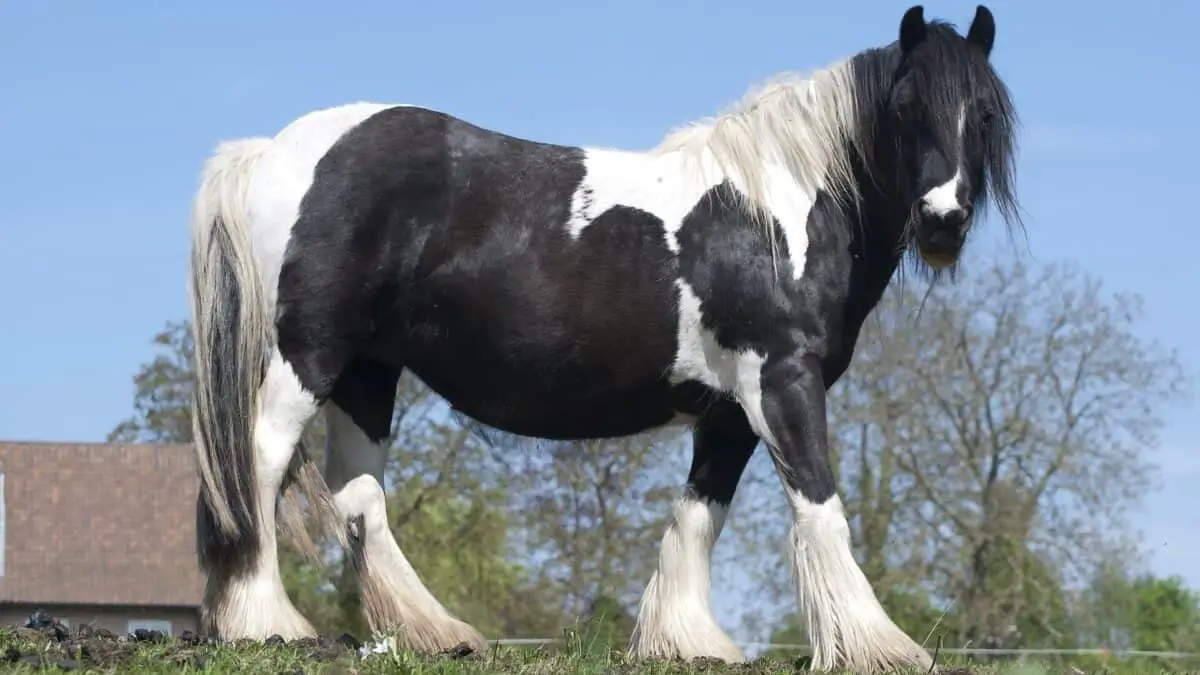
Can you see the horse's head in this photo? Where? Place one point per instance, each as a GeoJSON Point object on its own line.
{"type": "Point", "coordinates": [951, 122]}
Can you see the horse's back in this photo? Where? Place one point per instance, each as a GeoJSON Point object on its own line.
{"type": "Point", "coordinates": [284, 175]}
{"type": "Point", "coordinates": [377, 156]}
{"type": "Point", "coordinates": [530, 298]}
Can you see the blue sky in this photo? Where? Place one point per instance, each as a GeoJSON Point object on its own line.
{"type": "Point", "coordinates": [109, 109]}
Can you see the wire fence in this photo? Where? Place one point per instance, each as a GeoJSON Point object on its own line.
{"type": "Point", "coordinates": [971, 651]}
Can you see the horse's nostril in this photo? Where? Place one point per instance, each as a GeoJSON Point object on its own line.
{"type": "Point", "coordinates": [956, 218]}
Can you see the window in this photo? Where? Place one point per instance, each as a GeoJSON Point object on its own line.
{"type": "Point", "coordinates": [2, 544]}
{"type": "Point", "coordinates": [159, 625]}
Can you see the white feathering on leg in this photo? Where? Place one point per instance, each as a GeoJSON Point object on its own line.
{"type": "Point", "coordinates": [675, 618]}
{"type": "Point", "coordinates": [846, 625]}
{"type": "Point", "coordinates": [394, 597]}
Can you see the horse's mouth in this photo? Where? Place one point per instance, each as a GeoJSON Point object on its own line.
{"type": "Point", "coordinates": [940, 245]}
{"type": "Point", "coordinates": [938, 260]}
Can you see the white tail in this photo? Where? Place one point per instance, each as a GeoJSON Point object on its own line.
{"type": "Point", "coordinates": [233, 335]}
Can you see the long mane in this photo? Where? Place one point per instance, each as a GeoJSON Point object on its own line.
{"type": "Point", "coordinates": [806, 123]}
{"type": "Point", "coordinates": [815, 124]}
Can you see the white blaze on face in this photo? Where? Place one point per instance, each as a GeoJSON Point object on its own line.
{"type": "Point", "coordinates": [943, 199]}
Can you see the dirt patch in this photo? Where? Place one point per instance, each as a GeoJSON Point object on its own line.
{"type": "Point", "coordinates": [55, 645]}
{"type": "Point", "coordinates": [45, 643]}
{"type": "Point", "coordinates": [49, 643]}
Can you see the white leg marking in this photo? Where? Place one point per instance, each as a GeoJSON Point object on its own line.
{"type": "Point", "coordinates": [256, 605]}
{"type": "Point", "coordinates": [675, 618]}
{"type": "Point", "coordinates": [394, 597]}
{"type": "Point", "coordinates": [846, 624]}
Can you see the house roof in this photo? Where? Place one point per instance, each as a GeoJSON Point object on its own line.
{"type": "Point", "coordinates": [99, 523]}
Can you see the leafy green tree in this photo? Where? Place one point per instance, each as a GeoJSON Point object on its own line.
{"type": "Point", "coordinates": [1026, 605]}
{"type": "Point", "coordinates": [162, 395]}
{"type": "Point", "coordinates": [1166, 615]}
{"type": "Point", "coordinates": [1143, 612]}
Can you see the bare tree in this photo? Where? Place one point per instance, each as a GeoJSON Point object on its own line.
{"type": "Point", "coordinates": [595, 512]}
{"type": "Point", "coordinates": [992, 435]}
{"type": "Point", "coordinates": [1035, 406]}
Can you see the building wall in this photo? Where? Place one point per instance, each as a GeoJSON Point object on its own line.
{"type": "Point", "coordinates": [113, 618]}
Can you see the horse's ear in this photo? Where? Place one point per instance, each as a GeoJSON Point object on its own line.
{"type": "Point", "coordinates": [912, 28]}
{"type": "Point", "coordinates": [983, 29]}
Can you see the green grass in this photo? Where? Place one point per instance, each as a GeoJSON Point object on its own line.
{"type": "Point", "coordinates": [29, 651]}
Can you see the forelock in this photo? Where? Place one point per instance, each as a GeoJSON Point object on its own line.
{"type": "Point", "coordinates": [947, 72]}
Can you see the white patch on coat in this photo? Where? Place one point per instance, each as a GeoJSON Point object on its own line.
{"type": "Point", "coordinates": [701, 359]}
{"type": "Point", "coordinates": [284, 175]}
{"type": "Point", "coordinates": [659, 185]}
{"type": "Point", "coordinates": [942, 199]}
{"type": "Point", "coordinates": [669, 186]}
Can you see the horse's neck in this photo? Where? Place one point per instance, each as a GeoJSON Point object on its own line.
{"type": "Point", "coordinates": [879, 223]}
{"type": "Point", "coordinates": [876, 247]}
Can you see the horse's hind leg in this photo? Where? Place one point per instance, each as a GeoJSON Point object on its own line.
{"type": "Point", "coordinates": [245, 596]}
{"type": "Point", "coordinates": [358, 420]}
{"type": "Point", "coordinates": [675, 619]}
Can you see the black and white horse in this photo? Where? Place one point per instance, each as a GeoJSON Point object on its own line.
{"type": "Point", "coordinates": [718, 280]}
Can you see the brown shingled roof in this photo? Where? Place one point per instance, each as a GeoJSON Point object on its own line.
{"type": "Point", "coordinates": [97, 523]}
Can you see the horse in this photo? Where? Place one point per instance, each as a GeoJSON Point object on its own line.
{"type": "Point", "coordinates": [717, 280]}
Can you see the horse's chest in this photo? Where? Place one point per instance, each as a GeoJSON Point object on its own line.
{"type": "Point", "coordinates": [701, 357]}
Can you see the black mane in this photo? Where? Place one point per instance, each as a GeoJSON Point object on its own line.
{"type": "Point", "coordinates": [944, 70]}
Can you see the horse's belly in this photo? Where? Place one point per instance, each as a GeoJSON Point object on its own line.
{"type": "Point", "coordinates": [547, 375]}
{"type": "Point", "coordinates": [534, 398]}
{"type": "Point", "coordinates": [566, 420]}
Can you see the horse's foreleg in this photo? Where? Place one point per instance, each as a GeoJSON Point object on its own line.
{"type": "Point", "coordinates": [358, 421]}
{"type": "Point", "coordinates": [846, 624]}
{"type": "Point", "coordinates": [675, 619]}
